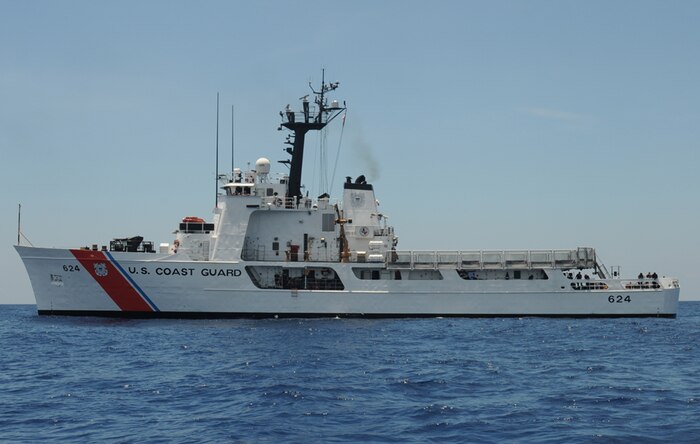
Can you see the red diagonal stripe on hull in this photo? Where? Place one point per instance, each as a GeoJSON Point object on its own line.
{"type": "Point", "coordinates": [113, 283]}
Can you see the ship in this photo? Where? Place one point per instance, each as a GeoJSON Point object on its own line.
{"type": "Point", "coordinates": [271, 251]}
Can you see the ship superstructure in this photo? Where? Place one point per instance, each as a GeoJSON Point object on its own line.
{"type": "Point", "coordinates": [270, 250]}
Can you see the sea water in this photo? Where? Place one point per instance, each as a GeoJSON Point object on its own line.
{"type": "Point", "coordinates": [83, 379]}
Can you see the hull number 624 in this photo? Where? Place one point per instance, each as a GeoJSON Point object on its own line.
{"type": "Point", "coordinates": [619, 299]}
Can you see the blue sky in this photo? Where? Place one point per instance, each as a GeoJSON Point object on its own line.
{"type": "Point", "coordinates": [483, 125]}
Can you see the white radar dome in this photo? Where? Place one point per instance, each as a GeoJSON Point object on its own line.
{"type": "Point", "coordinates": [262, 166]}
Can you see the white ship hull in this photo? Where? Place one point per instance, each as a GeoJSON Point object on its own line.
{"type": "Point", "coordinates": [84, 282]}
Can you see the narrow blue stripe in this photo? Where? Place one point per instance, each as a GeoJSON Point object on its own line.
{"type": "Point", "coordinates": [131, 281]}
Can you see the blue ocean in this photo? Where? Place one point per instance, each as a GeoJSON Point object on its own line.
{"type": "Point", "coordinates": [81, 379]}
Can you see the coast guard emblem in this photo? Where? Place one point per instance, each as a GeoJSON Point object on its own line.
{"type": "Point", "coordinates": [101, 269]}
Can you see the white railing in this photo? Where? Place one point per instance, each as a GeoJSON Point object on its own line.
{"type": "Point", "coordinates": [495, 259]}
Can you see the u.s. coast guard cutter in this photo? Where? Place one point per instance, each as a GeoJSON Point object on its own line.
{"type": "Point", "coordinates": [271, 251]}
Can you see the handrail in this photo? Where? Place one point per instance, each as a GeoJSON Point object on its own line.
{"type": "Point", "coordinates": [473, 259]}
{"type": "Point", "coordinates": [583, 257]}
{"type": "Point", "coordinates": [293, 202]}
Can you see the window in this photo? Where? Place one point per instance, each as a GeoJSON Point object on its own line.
{"type": "Point", "coordinates": [328, 222]}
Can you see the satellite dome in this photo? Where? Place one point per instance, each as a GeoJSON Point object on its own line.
{"type": "Point", "coordinates": [262, 165]}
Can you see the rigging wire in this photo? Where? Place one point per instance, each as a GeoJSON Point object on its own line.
{"type": "Point", "coordinates": [313, 171]}
{"type": "Point", "coordinates": [26, 239]}
{"type": "Point", "coordinates": [324, 162]}
{"type": "Point", "coordinates": [337, 155]}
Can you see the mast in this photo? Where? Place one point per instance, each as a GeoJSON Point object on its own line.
{"type": "Point", "coordinates": [19, 223]}
{"type": "Point", "coordinates": [216, 171]}
{"type": "Point", "coordinates": [303, 122]}
{"type": "Point", "coordinates": [232, 135]}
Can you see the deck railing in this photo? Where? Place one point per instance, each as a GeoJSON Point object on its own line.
{"type": "Point", "coordinates": [495, 259]}
{"type": "Point", "coordinates": [467, 260]}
